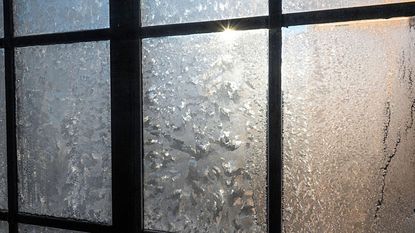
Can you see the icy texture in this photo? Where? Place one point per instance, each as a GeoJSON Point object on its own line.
{"type": "Point", "coordinates": [3, 148]}
{"type": "Point", "coordinates": [349, 133]}
{"type": "Point", "coordinates": [312, 5]}
{"type": "Point", "coordinates": [36, 229]}
{"type": "Point", "coordinates": [1, 20]}
{"type": "Point", "coordinates": [47, 16]}
{"type": "Point", "coordinates": [4, 227]}
{"type": "Point", "coordinates": [63, 130]}
{"type": "Point", "coordinates": [205, 104]}
{"type": "Point", "coordinates": [180, 11]}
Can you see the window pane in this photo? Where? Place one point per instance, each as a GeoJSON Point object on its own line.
{"type": "Point", "coordinates": [40, 16]}
{"type": "Point", "coordinates": [205, 105]}
{"type": "Point", "coordinates": [3, 136]}
{"type": "Point", "coordinates": [4, 227]}
{"type": "Point", "coordinates": [1, 20]}
{"type": "Point", "coordinates": [181, 11]}
{"type": "Point", "coordinates": [37, 229]}
{"type": "Point", "coordinates": [349, 105]}
{"type": "Point", "coordinates": [63, 130]}
{"type": "Point", "coordinates": [312, 5]}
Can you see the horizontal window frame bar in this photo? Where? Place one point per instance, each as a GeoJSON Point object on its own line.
{"type": "Point", "coordinates": [62, 38]}
{"type": "Point", "coordinates": [62, 223]}
{"type": "Point", "coordinates": [155, 231]}
{"type": "Point", "coordinates": [249, 23]}
{"type": "Point", "coordinates": [385, 11]}
{"type": "Point", "coordinates": [4, 216]}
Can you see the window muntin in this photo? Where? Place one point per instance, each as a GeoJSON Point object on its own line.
{"type": "Point", "coordinates": [291, 6]}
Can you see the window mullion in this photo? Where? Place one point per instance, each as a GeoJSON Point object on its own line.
{"type": "Point", "coordinates": [126, 112]}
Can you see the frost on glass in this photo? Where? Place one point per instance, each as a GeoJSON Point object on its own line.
{"type": "Point", "coordinates": [63, 130]}
{"type": "Point", "coordinates": [312, 5]}
{"type": "Point", "coordinates": [349, 133]}
{"type": "Point", "coordinates": [3, 148]}
{"type": "Point", "coordinates": [155, 12]}
{"type": "Point", "coordinates": [37, 229]}
{"type": "Point", "coordinates": [4, 227]}
{"type": "Point", "coordinates": [48, 16]}
{"type": "Point", "coordinates": [205, 104]}
{"type": "Point", "coordinates": [1, 20]}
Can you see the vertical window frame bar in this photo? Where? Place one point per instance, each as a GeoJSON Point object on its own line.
{"type": "Point", "coordinates": [10, 116]}
{"type": "Point", "coordinates": [275, 118]}
{"type": "Point", "coordinates": [125, 115]}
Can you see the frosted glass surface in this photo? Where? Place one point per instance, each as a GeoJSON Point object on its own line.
{"type": "Point", "coordinates": [3, 136]}
{"type": "Point", "coordinates": [312, 5]}
{"type": "Point", "coordinates": [63, 130]}
{"type": "Point", "coordinates": [48, 16]}
{"type": "Point", "coordinates": [4, 227]}
{"type": "Point", "coordinates": [1, 20]}
{"type": "Point", "coordinates": [180, 11]}
{"type": "Point", "coordinates": [349, 105]}
{"type": "Point", "coordinates": [205, 104]}
{"type": "Point", "coordinates": [37, 229]}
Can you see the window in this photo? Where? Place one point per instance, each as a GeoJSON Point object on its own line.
{"type": "Point", "coordinates": [206, 116]}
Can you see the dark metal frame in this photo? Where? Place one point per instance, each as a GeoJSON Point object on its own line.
{"type": "Point", "coordinates": [126, 98]}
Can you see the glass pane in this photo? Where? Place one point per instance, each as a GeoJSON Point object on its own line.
{"type": "Point", "coordinates": [3, 136]}
{"type": "Point", "coordinates": [1, 20]}
{"type": "Point", "coordinates": [349, 105]}
{"type": "Point", "coordinates": [205, 105]}
{"type": "Point", "coordinates": [182, 11]}
{"type": "Point", "coordinates": [63, 130]}
{"type": "Point", "coordinates": [40, 16]}
{"type": "Point", "coordinates": [313, 5]}
{"type": "Point", "coordinates": [37, 229]}
{"type": "Point", "coordinates": [4, 227]}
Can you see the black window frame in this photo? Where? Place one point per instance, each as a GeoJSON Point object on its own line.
{"type": "Point", "coordinates": [125, 37]}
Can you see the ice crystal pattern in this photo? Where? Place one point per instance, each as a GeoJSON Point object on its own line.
{"type": "Point", "coordinates": [63, 130]}
{"type": "Point", "coordinates": [349, 135]}
{"type": "Point", "coordinates": [205, 104]}
{"type": "Point", "coordinates": [182, 11]}
{"type": "Point", "coordinates": [3, 136]}
{"type": "Point", "coordinates": [48, 16]}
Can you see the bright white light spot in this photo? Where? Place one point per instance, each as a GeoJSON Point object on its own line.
{"type": "Point", "coordinates": [229, 34]}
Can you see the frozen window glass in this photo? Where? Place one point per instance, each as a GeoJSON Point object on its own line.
{"type": "Point", "coordinates": [48, 16]}
{"type": "Point", "coordinates": [205, 108]}
{"type": "Point", "coordinates": [63, 130]}
{"type": "Point", "coordinates": [3, 148]}
{"type": "Point", "coordinates": [4, 227]}
{"type": "Point", "coordinates": [312, 5]}
{"type": "Point", "coordinates": [1, 20]}
{"type": "Point", "coordinates": [349, 133]}
{"type": "Point", "coordinates": [154, 12]}
{"type": "Point", "coordinates": [37, 229]}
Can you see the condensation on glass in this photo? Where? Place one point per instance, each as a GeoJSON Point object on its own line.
{"type": "Point", "coordinates": [23, 228]}
{"type": "Point", "coordinates": [154, 12]}
{"type": "Point", "coordinates": [313, 5]}
{"type": "Point", "coordinates": [205, 105]}
{"type": "Point", "coordinates": [4, 227]}
{"type": "Point", "coordinates": [63, 130]}
{"type": "Point", "coordinates": [3, 136]}
{"type": "Point", "coordinates": [349, 133]}
{"type": "Point", "coordinates": [40, 16]}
